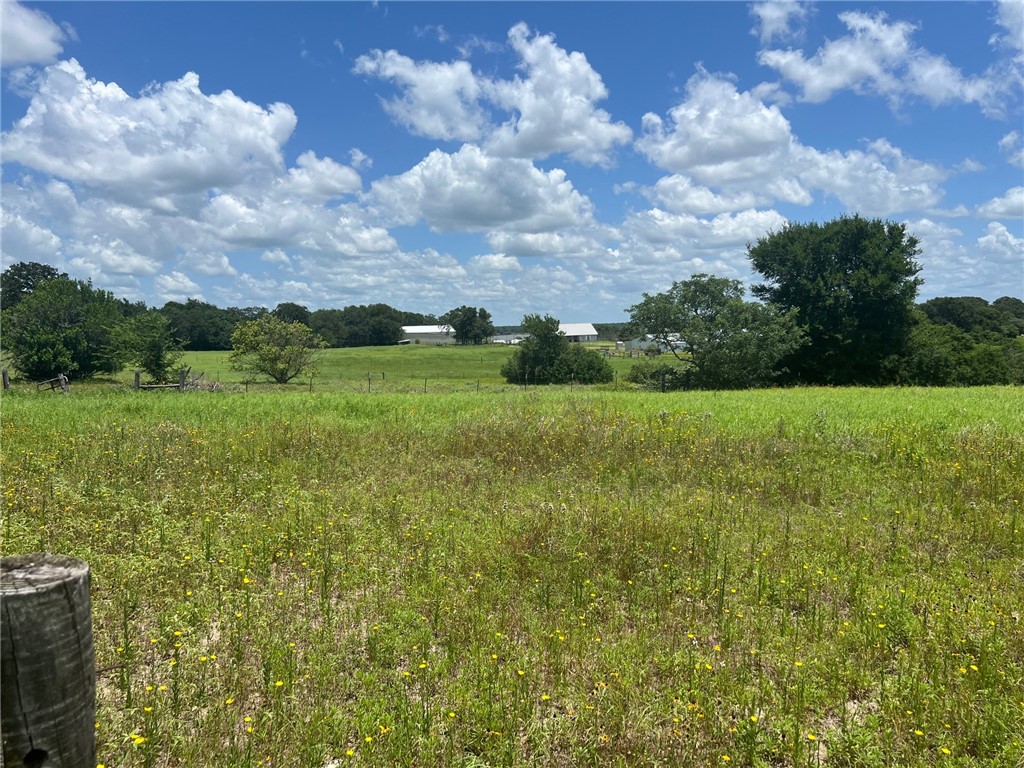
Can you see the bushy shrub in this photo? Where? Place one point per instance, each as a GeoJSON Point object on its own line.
{"type": "Point", "coordinates": [582, 366]}
{"type": "Point", "coordinates": [546, 356]}
{"type": "Point", "coordinates": [658, 375]}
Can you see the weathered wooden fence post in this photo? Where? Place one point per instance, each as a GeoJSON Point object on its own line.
{"type": "Point", "coordinates": [47, 674]}
{"type": "Point", "coordinates": [138, 379]}
{"type": "Point", "coordinates": [7, 379]}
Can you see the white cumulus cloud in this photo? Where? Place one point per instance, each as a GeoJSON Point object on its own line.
{"type": "Point", "coordinates": [776, 19]}
{"type": "Point", "coordinates": [879, 56]}
{"type": "Point", "coordinates": [28, 36]}
{"type": "Point", "coordinates": [439, 100]}
{"type": "Point", "coordinates": [316, 179]}
{"type": "Point", "coordinates": [471, 190]}
{"type": "Point", "coordinates": [551, 109]}
{"type": "Point", "coordinates": [1010, 16]}
{"type": "Point", "coordinates": [1009, 206]}
{"type": "Point", "coordinates": [554, 105]}
{"type": "Point", "coordinates": [1005, 251]}
{"type": "Point", "coordinates": [276, 256]}
{"type": "Point", "coordinates": [695, 233]}
{"type": "Point", "coordinates": [877, 181]}
{"type": "Point", "coordinates": [717, 134]}
{"type": "Point", "coordinates": [177, 286]}
{"type": "Point", "coordinates": [570, 243]}
{"type": "Point", "coordinates": [742, 151]}
{"type": "Point", "coordinates": [27, 239]}
{"type": "Point", "coordinates": [172, 139]}
{"type": "Point", "coordinates": [100, 256]}
{"type": "Point", "coordinates": [1012, 145]}
{"type": "Point", "coordinates": [210, 264]}
{"type": "Point", "coordinates": [679, 194]}
{"type": "Point", "coordinates": [496, 262]}
{"type": "Point", "coordinates": [999, 239]}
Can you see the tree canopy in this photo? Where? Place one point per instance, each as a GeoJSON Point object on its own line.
{"type": "Point", "coordinates": [203, 326]}
{"type": "Point", "coordinates": [1013, 307]}
{"type": "Point", "coordinates": [974, 315]}
{"type": "Point", "coordinates": [21, 278]}
{"type": "Point", "coordinates": [546, 356]}
{"type": "Point", "coordinates": [375, 325]}
{"type": "Point", "coordinates": [471, 325]}
{"type": "Point", "coordinates": [722, 341]}
{"type": "Point", "coordinates": [67, 326]}
{"type": "Point", "coordinates": [147, 342]}
{"type": "Point", "coordinates": [291, 312]}
{"type": "Point", "coordinates": [271, 347]}
{"type": "Point", "coordinates": [854, 282]}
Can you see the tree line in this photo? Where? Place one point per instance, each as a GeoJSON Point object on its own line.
{"type": "Point", "coordinates": [53, 323]}
{"type": "Point", "coordinates": [835, 307]}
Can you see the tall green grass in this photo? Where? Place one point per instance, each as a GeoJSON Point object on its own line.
{"type": "Point", "coordinates": [792, 577]}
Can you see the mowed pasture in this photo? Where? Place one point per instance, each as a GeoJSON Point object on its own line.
{"type": "Point", "coordinates": [538, 577]}
{"type": "Point", "coordinates": [405, 368]}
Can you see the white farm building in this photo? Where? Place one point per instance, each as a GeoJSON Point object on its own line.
{"type": "Point", "coordinates": [428, 334]}
{"type": "Point", "coordinates": [578, 331]}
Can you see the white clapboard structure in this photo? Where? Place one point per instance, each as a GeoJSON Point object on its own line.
{"type": "Point", "coordinates": [428, 334]}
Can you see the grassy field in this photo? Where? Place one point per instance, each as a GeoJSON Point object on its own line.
{"type": "Point", "coordinates": [406, 368]}
{"type": "Point", "coordinates": [508, 577]}
{"type": "Point", "coordinates": [403, 366]}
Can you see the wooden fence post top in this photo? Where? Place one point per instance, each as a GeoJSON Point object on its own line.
{"type": "Point", "coordinates": [47, 665]}
{"type": "Point", "coordinates": [38, 571]}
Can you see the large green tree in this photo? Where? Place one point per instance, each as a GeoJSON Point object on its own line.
{"type": "Point", "coordinates": [203, 326]}
{"type": "Point", "coordinates": [471, 325]}
{"type": "Point", "coordinates": [67, 326]}
{"type": "Point", "coordinates": [943, 354]}
{"type": "Point", "coordinates": [721, 341]}
{"type": "Point", "coordinates": [21, 278]}
{"type": "Point", "coordinates": [271, 347]}
{"type": "Point", "coordinates": [147, 342]}
{"type": "Point", "coordinates": [374, 325]}
{"type": "Point", "coordinates": [364, 326]}
{"type": "Point", "coordinates": [329, 325]}
{"type": "Point", "coordinates": [291, 312]}
{"type": "Point", "coordinates": [546, 356]}
{"type": "Point", "coordinates": [854, 282]}
{"type": "Point", "coordinates": [1013, 307]}
{"type": "Point", "coordinates": [973, 315]}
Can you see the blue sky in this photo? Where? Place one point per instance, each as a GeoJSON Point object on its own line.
{"type": "Point", "coordinates": [558, 158]}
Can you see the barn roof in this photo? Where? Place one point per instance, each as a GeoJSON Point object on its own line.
{"type": "Point", "coordinates": [577, 329]}
{"type": "Point", "coordinates": [426, 329]}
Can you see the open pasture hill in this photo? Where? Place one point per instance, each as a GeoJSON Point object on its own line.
{"type": "Point", "coordinates": [537, 577]}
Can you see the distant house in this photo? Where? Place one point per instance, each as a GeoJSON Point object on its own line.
{"type": "Point", "coordinates": [428, 334]}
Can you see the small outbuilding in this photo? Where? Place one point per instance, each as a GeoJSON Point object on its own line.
{"type": "Point", "coordinates": [428, 334]}
{"type": "Point", "coordinates": [578, 331]}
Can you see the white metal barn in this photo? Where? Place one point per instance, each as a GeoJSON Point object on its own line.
{"type": "Point", "coordinates": [578, 331]}
{"type": "Point", "coordinates": [428, 334]}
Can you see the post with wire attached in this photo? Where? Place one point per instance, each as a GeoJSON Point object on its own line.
{"type": "Point", "coordinates": [47, 674]}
